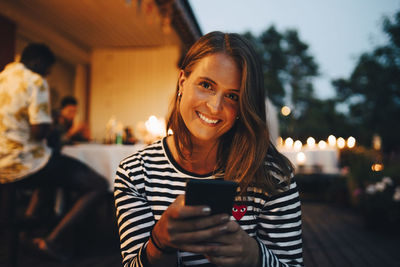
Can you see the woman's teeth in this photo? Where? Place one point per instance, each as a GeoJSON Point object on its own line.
{"type": "Point", "coordinates": [204, 118]}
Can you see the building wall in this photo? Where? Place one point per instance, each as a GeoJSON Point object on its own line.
{"type": "Point", "coordinates": [131, 85]}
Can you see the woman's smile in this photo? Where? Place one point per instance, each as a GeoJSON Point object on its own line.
{"type": "Point", "coordinates": [210, 92]}
{"type": "Point", "coordinates": [206, 119]}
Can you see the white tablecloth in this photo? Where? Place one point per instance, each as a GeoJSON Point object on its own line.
{"type": "Point", "coordinates": [104, 159]}
{"type": "Point", "coordinates": [324, 159]}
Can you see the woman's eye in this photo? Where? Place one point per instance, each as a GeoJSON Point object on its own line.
{"type": "Point", "coordinates": [234, 97]}
{"type": "Point", "coordinates": [205, 85]}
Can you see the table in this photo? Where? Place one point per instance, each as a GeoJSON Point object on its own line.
{"type": "Point", "coordinates": [104, 159]}
{"type": "Point", "coordinates": [321, 160]}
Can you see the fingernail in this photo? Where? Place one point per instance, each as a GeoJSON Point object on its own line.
{"type": "Point", "coordinates": [223, 228]}
{"type": "Point", "coordinates": [206, 210]}
{"type": "Point", "coordinates": [225, 218]}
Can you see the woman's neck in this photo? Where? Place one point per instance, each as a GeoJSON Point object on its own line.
{"type": "Point", "coordinates": [202, 160]}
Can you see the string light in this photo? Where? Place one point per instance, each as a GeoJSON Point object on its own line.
{"type": "Point", "coordinates": [297, 145]}
{"type": "Point", "coordinates": [341, 143]}
{"type": "Point", "coordinates": [310, 142]}
{"type": "Point", "coordinates": [322, 144]}
{"type": "Point", "coordinates": [351, 142]}
{"type": "Point", "coordinates": [288, 143]}
{"type": "Point", "coordinates": [332, 140]}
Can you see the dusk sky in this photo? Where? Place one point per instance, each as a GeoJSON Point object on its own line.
{"type": "Point", "coordinates": [337, 31]}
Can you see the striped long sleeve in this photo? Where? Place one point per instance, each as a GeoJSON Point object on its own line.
{"type": "Point", "coordinates": [279, 231]}
{"type": "Point", "coordinates": [149, 181]}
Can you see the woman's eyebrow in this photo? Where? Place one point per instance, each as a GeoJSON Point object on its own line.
{"type": "Point", "coordinates": [215, 83]}
{"type": "Point", "coordinates": [208, 79]}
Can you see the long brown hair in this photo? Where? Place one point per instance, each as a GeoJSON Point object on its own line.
{"type": "Point", "coordinates": [242, 151]}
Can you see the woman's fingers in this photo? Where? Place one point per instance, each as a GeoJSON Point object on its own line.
{"type": "Point", "coordinates": [200, 223]}
{"type": "Point", "coordinates": [236, 248]}
{"type": "Point", "coordinates": [182, 224]}
{"type": "Point", "coordinates": [199, 235]}
{"type": "Point", "coordinates": [178, 210]}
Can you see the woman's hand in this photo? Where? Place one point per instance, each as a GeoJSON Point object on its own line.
{"type": "Point", "coordinates": [188, 227]}
{"type": "Point", "coordinates": [235, 248]}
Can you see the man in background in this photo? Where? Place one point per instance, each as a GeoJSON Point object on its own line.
{"type": "Point", "coordinates": [25, 157]}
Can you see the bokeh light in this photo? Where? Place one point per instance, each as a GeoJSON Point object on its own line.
{"type": "Point", "coordinates": [351, 142]}
{"type": "Point", "coordinates": [310, 142]}
{"type": "Point", "coordinates": [301, 158]}
{"type": "Point", "coordinates": [322, 144]}
{"type": "Point", "coordinates": [288, 143]}
{"type": "Point", "coordinates": [297, 145]}
{"type": "Point", "coordinates": [341, 143]}
{"type": "Point", "coordinates": [332, 140]}
{"type": "Point", "coordinates": [285, 110]}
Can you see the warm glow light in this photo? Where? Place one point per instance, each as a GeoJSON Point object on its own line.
{"type": "Point", "coordinates": [280, 141]}
{"type": "Point", "coordinates": [341, 143]}
{"type": "Point", "coordinates": [155, 126]}
{"type": "Point", "coordinates": [351, 142]}
{"type": "Point", "coordinates": [377, 167]}
{"type": "Point", "coordinates": [310, 142]}
{"type": "Point", "coordinates": [297, 145]}
{"type": "Point", "coordinates": [285, 110]}
{"type": "Point", "coordinates": [301, 158]}
{"type": "Point", "coordinates": [376, 142]}
{"type": "Point", "coordinates": [288, 143]}
{"type": "Point", "coordinates": [322, 144]}
{"type": "Point", "coordinates": [332, 140]}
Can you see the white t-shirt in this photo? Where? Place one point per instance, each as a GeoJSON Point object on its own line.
{"type": "Point", "coordinates": [24, 101]}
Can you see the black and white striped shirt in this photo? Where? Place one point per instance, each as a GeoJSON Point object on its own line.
{"type": "Point", "coordinates": [149, 181]}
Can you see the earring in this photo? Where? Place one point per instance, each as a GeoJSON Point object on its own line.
{"type": "Point", "coordinates": [237, 117]}
{"type": "Point", "coordinates": [179, 94]}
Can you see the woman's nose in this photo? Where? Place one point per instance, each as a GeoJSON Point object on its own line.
{"type": "Point", "coordinates": [215, 103]}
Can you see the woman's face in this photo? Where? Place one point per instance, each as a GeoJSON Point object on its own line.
{"type": "Point", "coordinates": [210, 97]}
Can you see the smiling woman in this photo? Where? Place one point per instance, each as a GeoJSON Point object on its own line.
{"type": "Point", "coordinates": [219, 132]}
{"type": "Point", "coordinates": [209, 98]}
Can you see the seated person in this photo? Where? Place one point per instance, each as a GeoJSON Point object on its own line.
{"type": "Point", "coordinates": [64, 126]}
{"type": "Point", "coordinates": [25, 157]}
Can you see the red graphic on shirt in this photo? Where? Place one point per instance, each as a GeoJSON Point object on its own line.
{"type": "Point", "coordinates": [238, 211]}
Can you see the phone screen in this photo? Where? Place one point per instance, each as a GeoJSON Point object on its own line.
{"type": "Point", "coordinates": [217, 194]}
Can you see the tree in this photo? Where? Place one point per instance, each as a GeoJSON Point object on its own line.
{"type": "Point", "coordinates": [273, 60]}
{"type": "Point", "coordinates": [300, 69]}
{"type": "Point", "coordinates": [288, 71]}
{"type": "Point", "coordinates": [373, 90]}
{"type": "Point", "coordinates": [287, 65]}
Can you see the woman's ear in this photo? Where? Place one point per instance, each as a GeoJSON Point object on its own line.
{"type": "Point", "coordinates": [181, 80]}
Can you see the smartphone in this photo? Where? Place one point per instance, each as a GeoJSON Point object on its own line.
{"type": "Point", "coordinates": [217, 194]}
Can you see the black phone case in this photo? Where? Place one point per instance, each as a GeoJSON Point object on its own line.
{"type": "Point", "coordinates": [219, 195]}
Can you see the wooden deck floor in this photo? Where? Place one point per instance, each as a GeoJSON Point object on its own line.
{"type": "Point", "coordinates": [332, 236]}
{"type": "Point", "coordinates": [335, 236]}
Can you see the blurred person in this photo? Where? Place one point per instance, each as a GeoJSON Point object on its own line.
{"type": "Point", "coordinates": [220, 131]}
{"type": "Point", "coordinates": [25, 157]}
{"type": "Point", "coordinates": [72, 131]}
{"type": "Point", "coordinates": [65, 130]}
{"type": "Point", "coordinates": [129, 137]}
